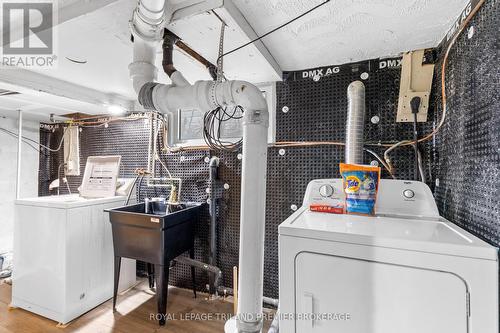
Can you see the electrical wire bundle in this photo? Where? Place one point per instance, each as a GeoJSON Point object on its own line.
{"type": "Point", "coordinates": [213, 120]}
{"type": "Point", "coordinates": [33, 143]}
{"type": "Point", "coordinates": [104, 122]}
{"type": "Point", "coordinates": [212, 128]}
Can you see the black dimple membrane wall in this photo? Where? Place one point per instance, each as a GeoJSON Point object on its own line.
{"type": "Point", "coordinates": [463, 159]}
{"type": "Point", "coordinates": [467, 154]}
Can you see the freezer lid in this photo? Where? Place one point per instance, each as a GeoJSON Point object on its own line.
{"type": "Point", "coordinates": [416, 234]}
{"type": "Point", "coordinates": [67, 201]}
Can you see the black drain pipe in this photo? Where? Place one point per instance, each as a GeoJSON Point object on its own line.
{"type": "Point", "coordinates": [216, 272]}
{"type": "Point", "coordinates": [415, 104]}
{"type": "Point", "coordinates": [215, 278]}
{"type": "Point", "coordinates": [214, 169]}
{"type": "Point", "coordinates": [169, 39]}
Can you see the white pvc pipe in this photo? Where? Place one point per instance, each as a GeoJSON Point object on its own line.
{"type": "Point", "coordinates": [169, 98]}
{"type": "Point", "coordinates": [146, 25]}
{"type": "Point", "coordinates": [207, 95]}
{"type": "Point", "coordinates": [151, 10]}
{"type": "Point", "coordinates": [19, 154]}
{"type": "Point", "coordinates": [178, 79]}
{"type": "Point", "coordinates": [252, 221]}
{"type": "Point", "coordinates": [142, 69]}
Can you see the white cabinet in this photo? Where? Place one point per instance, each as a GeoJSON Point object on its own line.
{"type": "Point", "coordinates": [63, 256]}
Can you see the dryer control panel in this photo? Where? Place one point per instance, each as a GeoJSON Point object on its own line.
{"type": "Point", "coordinates": [394, 197]}
{"type": "Point", "coordinates": [326, 192]}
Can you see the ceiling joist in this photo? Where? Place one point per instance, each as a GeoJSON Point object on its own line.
{"type": "Point", "coordinates": [25, 79]}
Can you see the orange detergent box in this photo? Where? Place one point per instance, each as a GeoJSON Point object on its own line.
{"type": "Point", "coordinates": [360, 183]}
{"type": "Point", "coordinates": [326, 209]}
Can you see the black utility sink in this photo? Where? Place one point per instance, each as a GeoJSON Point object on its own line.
{"type": "Point", "coordinates": [155, 239]}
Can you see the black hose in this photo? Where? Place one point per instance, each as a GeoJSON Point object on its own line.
{"type": "Point", "coordinates": [131, 189]}
{"type": "Point", "coordinates": [169, 40]}
{"type": "Point", "coordinates": [139, 187]}
{"type": "Point", "coordinates": [415, 104]}
{"type": "Point", "coordinates": [415, 139]}
{"type": "Point", "coordinates": [214, 166]}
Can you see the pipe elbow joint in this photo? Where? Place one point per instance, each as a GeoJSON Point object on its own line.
{"type": "Point", "coordinates": [246, 95]}
{"type": "Point", "coordinates": [206, 95]}
{"type": "Point", "coordinates": [240, 93]}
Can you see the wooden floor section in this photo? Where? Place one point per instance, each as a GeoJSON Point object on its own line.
{"type": "Point", "coordinates": [133, 314]}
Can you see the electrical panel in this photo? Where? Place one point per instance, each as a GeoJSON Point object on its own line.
{"type": "Point", "coordinates": [416, 81]}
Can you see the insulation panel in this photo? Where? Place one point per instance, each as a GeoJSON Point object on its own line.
{"type": "Point", "coordinates": [462, 163]}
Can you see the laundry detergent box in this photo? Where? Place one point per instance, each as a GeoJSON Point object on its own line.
{"type": "Point", "coordinates": [360, 183]}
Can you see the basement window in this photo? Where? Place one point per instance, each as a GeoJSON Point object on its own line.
{"type": "Point", "coordinates": [231, 129]}
{"type": "Point", "coordinates": [188, 123]}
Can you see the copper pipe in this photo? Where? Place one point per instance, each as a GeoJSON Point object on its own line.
{"type": "Point", "coordinates": [212, 69]}
{"type": "Point", "coordinates": [235, 290]}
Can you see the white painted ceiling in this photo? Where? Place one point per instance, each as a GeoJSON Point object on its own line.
{"type": "Point", "coordinates": [102, 39]}
{"type": "Point", "coordinates": [339, 32]}
{"type": "Point", "coordinates": [38, 105]}
{"type": "Point", "coordinates": [349, 30]}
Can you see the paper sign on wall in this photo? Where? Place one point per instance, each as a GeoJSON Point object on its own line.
{"type": "Point", "coordinates": [100, 177]}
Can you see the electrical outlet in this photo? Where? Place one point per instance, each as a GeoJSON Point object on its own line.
{"type": "Point", "coordinates": [416, 80]}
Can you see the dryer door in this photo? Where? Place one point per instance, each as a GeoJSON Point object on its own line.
{"type": "Point", "coordinates": [351, 296]}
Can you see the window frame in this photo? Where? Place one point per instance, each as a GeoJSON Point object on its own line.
{"type": "Point", "coordinates": [175, 125]}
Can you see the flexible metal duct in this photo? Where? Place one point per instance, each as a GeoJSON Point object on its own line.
{"type": "Point", "coordinates": [355, 123]}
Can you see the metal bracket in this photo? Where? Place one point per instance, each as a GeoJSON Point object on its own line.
{"type": "Point", "coordinates": [416, 80]}
{"type": "Point", "coordinates": [61, 325]}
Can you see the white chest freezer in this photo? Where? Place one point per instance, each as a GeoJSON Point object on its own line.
{"type": "Point", "coordinates": [63, 256]}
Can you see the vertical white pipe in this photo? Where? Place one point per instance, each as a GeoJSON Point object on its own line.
{"type": "Point", "coordinates": [142, 69]}
{"type": "Point", "coordinates": [149, 18]}
{"type": "Point", "coordinates": [152, 10]}
{"type": "Point", "coordinates": [252, 221]}
{"type": "Point", "coordinates": [206, 95]}
{"type": "Point", "coordinates": [19, 146]}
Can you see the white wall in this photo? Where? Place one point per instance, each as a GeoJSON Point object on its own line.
{"type": "Point", "coordinates": [8, 168]}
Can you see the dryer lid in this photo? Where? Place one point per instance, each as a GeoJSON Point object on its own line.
{"type": "Point", "coordinates": [416, 234]}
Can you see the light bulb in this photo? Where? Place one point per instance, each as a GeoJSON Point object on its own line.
{"type": "Point", "coordinates": [116, 109]}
